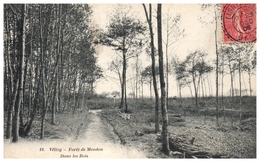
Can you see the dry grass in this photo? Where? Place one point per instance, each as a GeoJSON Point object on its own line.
{"type": "Point", "coordinates": [230, 139]}
{"type": "Point", "coordinates": [67, 126]}
{"type": "Point", "coordinates": [226, 140]}
{"type": "Point", "coordinates": [220, 141]}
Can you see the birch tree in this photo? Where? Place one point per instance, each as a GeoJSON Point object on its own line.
{"type": "Point", "coordinates": [22, 36]}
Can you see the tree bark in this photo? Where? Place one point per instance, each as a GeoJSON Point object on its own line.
{"type": "Point", "coordinates": [21, 72]}
{"type": "Point", "coordinates": [9, 84]}
{"type": "Point", "coordinates": [56, 89]}
{"type": "Point", "coordinates": [124, 77]}
{"type": "Point", "coordinates": [122, 95]}
{"type": "Point", "coordinates": [165, 135]}
{"type": "Point", "coordinates": [43, 78]}
{"type": "Point", "coordinates": [23, 95]}
{"type": "Point", "coordinates": [33, 113]}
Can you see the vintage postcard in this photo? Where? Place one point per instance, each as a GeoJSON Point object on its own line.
{"type": "Point", "coordinates": [129, 81]}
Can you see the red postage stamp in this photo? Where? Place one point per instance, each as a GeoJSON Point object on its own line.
{"type": "Point", "coordinates": [239, 22]}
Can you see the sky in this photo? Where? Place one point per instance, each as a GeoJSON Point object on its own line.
{"type": "Point", "coordinates": [199, 35]}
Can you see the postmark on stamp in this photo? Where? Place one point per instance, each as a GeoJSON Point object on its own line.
{"type": "Point", "coordinates": [239, 22]}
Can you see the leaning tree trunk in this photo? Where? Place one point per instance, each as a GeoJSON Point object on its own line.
{"type": "Point", "coordinates": [21, 72]}
{"type": "Point", "coordinates": [165, 135]}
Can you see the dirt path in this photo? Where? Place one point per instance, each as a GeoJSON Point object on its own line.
{"type": "Point", "coordinates": [100, 135]}
{"type": "Point", "coordinates": [98, 141]}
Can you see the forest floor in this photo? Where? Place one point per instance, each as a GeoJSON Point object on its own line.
{"type": "Point", "coordinates": [105, 134]}
{"type": "Point", "coordinates": [223, 141]}
{"type": "Point", "coordinates": [83, 135]}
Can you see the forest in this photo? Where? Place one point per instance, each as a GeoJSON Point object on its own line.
{"type": "Point", "coordinates": [49, 58]}
{"type": "Point", "coordinates": [51, 71]}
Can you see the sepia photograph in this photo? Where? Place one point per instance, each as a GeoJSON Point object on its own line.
{"type": "Point", "coordinates": [129, 81]}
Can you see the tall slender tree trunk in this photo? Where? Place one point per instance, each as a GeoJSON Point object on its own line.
{"type": "Point", "coordinates": [122, 95]}
{"type": "Point", "coordinates": [195, 91]}
{"type": "Point", "coordinates": [44, 97]}
{"type": "Point", "coordinates": [245, 89]}
{"type": "Point", "coordinates": [125, 99]}
{"type": "Point", "coordinates": [9, 84]}
{"type": "Point", "coordinates": [232, 82]}
{"type": "Point", "coordinates": [74, 92]}
{"type": "Point", "coordinates": [216, 45]}
{"type": "Point", "coordinates": [150, 83]}
{"type": "Point", "coordinates": [222, 88]}
{"type": "Point", "coordinates": [232, 86]}
{"type": "Point", "coordinates": [33, 113]}
{"type": "Point", "coordinates": [124, 78]}
{"type": "Point", "coordinates": [156, 106]}
{"type": "Point", "coordinates": [80, 86]}
{"type": "Point", "coordinates": [10, 125]}
{"type": "Point", "coordinates": [53, 107]}
{"type": "Point", "coordinates": [83, 97]}
{"type": "Point", "coordinates": [165, 138]}
{"type": "Point", "coordinates": [56, 90]}
{"type": "Point", "coordinates": [22, 111]}
{"type": "Point", "coordinates": [191, 94]}
{"type": "Point", "coordinates": [136, 80]}
{"type": "Point", "coordinates": [202, 89]}
{"type": "Point", "coordinates": [167, 80]}
{"type": "Point", "coordinates": [167, 64]}
{"type": "Point", "coordinates": [209, 85]}
{"type": "Point", "coordinates": [142, 89]}
{"type": "Point", "coordinates": [249, 82]}
{"type": "Point", "coordinates": [30, 74]}
{"type": "Point", "coordinates": [21, 72]}
{"type": "Point", "coordinates": [205, 87]}
{"type": "Point", "coordinates": [240, 89]}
